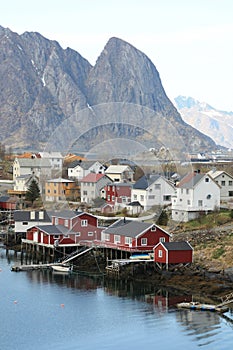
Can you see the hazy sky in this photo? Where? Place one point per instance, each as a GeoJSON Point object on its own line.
{"type": "Point", "coordinates": [189, 41]}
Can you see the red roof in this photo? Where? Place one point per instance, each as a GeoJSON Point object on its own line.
{"type": "Point", "coordinates": [92, 177]}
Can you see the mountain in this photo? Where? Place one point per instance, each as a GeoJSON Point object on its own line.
{"type": "Point", "coordinates": [43, 85]}
{"type": "Point", "coordinates": [215, 123]}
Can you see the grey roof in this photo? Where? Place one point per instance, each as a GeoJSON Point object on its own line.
{"type": "Point", "coordinates": [34, 162]}
{"type": "Point", "coordinates": [83, 164]}
{"type": "Point", "coordinates": [135, 204]}
{"type": "Point", "coordinates": [4, 199]}
{"type": "Point", "coordinates": [54, 229]}
{"type": "Point", "coordinates": [24, 215]}
{"type": "Point", "coordinates": [65, 214]}
{"type": "Point", "coordinates": [183, 245]}
{"type": "Point", "coordinates": [127, 228]}
{"type": "Point", "coordinates": [190, 180]}
{"type": "Point", "coordinates": [144, 182]}
{"type": "Point", "coordinates": [50, 229]}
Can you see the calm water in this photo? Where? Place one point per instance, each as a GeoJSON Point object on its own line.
{"type": "Point", "coordinates": [47, 310]}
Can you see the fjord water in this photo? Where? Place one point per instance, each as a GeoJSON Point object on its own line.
{"type": "Point", "coordinates": [45, 310]}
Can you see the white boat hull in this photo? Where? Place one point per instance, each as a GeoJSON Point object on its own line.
{"type": "Point", "coordinates": [61, 268]}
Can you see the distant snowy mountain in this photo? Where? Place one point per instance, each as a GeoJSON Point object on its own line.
{"type": "Point", "coordinates": [214, 123]}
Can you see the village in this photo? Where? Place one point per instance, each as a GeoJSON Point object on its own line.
{"type": "Point", "coordinates": [127, 215]}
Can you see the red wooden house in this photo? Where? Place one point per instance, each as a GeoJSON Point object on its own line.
{"type": "Point", "coordinates": [132, 235]}
{"type": "Point", "coordinates": [68, 228]}
{"type": "Point", "coordinates": [118, 193]}
{"type": "Point", "coordinates": [51, 235]}
{"type": "Point", "coordinates": [173, 253]}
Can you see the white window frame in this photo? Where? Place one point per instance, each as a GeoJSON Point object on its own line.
{"type": "Point", "coordinates": [162, 239]}
{"type": "Point", "coordinates": [128, 240]}
{"type": "Point", "coordinates": [160, 253]}
{"type": "Point", "coordinates": [144, 241]}
{"type": "Point", "coordinates": [84, 223]}
{"type": "Point", "coordinates": [117, 239]}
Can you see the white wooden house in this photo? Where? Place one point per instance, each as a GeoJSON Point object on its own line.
{"type": "Point", "coordinates": [152, 190]}
{"type": "Point", "coordinates": [91, 186]}
{"type": "Point", "coordinates": [78, 169]}
{"type": "Point", "coordinates": [195, 193]}
{"type": "Point", "coordinates": [120, 173]}
{"type": "Point", "coordinates": [225, 180]}
{"type": "Point", "coordinates": [32, 166]}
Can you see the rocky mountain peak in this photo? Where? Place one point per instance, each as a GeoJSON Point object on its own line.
{"type": "Point", "coordinates": [42, 85]}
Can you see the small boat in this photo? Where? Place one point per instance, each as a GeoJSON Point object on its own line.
{"type": "Point", "coordinates": [61, 268]}
{"type": "Point", "coordinates": [202, 307]}
{"type": "Point", "coordinates": [140, 256]}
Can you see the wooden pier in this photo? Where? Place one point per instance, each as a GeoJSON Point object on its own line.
{"type": "Point", "coordinates": [18, 268]}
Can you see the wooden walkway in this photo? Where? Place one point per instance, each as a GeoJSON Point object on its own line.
{"type": "Point", "coordinates": [17, 268]}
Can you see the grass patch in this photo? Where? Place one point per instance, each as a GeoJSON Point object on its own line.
{"type": "Point", "coordinates": [218, 252]}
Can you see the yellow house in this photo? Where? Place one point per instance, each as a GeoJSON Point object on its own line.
{"type": "Point", "coordinates": [60, 189]}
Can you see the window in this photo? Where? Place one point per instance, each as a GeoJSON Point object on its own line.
{"type": "Point", "coordinates": [160, 253]}
{"type": "Point", "coordinates": [32, 215]}
{"type": "Point", "coordinates": [106, 237]}
{"type": "Point", "coordinates": [66, 223]}
{"type": "Point", "coordinates": [142, 197]}
{"type": "Point", "coordinates": [207, 179]}
{"type": "Point", "coordinates": [108, 198]}
{"type": "Point", "coordinates": [56, 237]}
{"type": "Point", "coordinates": [128, 240]}
{"type": "Point", "coordinates": [187, 191]}
{"type": "Point", "coordinates": [151, 197]}
{"type": "Point", "coordinates": [78, 234]}
{"type": "Point", "coordinates": [200, 203]}
{"type": "Point", "coordinates": [90, 234]}
{"type": "Point", "coordinates": [167, 198]}
{"type": "Point", "coordinates": [230, 183]}
{"type": "Point", "coordinates": [144, 241]}
{"type": "Point", "coordinates": [162, 239]}
{"type": "Point", "coordinates": [223, 183]}
{"type": "Point", "coordinates": [84, 223]}
{"type": "Point", "coordinates": [41, 215]}
{"type": "Point", "coordinates": [188, 202]}
{"type": "Point", "coordinates": [153, 228]}
{"type": "Point", "coordinates": [230, 193]}
{"type": "Point", "coordinates": [54, 191]}
{"type": "Point", "coordinates": [85, 193]}
{"type": "Point", "coordinates": [113, 198]}
{"type": "Point", "coordinates": [25, 223]}
{"type": "Point", "coordinates": [56, 221]}
{"type": "Point", "coordinates": [117, 239]}
{"type": "Point", "coordinates": [157, 186]}
{"type": "Point", "coordinates": [208, 196]}
{"type": "Point", "coordinates": [135, 197]}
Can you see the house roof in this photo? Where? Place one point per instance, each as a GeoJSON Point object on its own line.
{"type": "Point", "coordinates": [34, 162]}
{"type": "Point", "coordinates": [25, 215]}
{"type": "Point", "coordinates": [190, 180]}
{"type": "Point", "coordinates": [65, 214]}
{"type": "Point", "coordinates": [92, 177]}
{"type": "Point", "coordinates": [125, 227]}
{"type": "Point", "coordinates": [51, 155]}
{"type": "Point", "coordinates": [215, 173]}
{"type": "Point", "coordinates": [8, 199]}
{"type": "Point", "coordinates": [83, 164]}
{"type": "Point", "coordinates": [54, 229]}
{"type": "Point", "coordinates": [144, 182]}
{"type": "Point", "coordinates": [117, 169]}
{"type": "Point", "coordinates": [135, 204]}
{"type": "Point", "coordinates": [59, 180]}
{"type": "Point", "coordinates": [183, 245]}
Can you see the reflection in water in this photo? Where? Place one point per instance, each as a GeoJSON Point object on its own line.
{"type": "Point", "coordinates": [146, 314]}
{"type": "Point", "coordinates": [202, 325]}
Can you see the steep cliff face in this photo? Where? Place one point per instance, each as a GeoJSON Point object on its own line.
{"type": "Point", "coordinates": [42, 85]}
